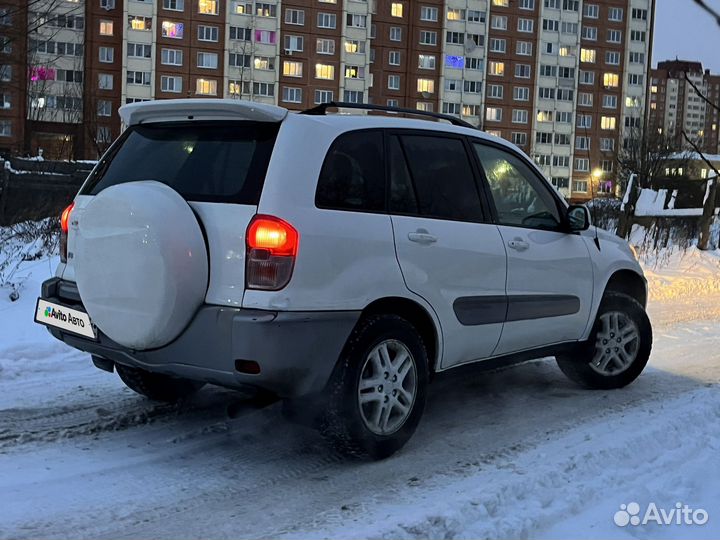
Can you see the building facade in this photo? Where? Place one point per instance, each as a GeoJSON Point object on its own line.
{"type": "Point", "coordinates": [678, 94]}
{"type": "Point", "coordinates": [562, 79]}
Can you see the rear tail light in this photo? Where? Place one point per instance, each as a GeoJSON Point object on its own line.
{"type": "Point", "coordinates": [64, 227]}
{"type": "Point", "coordinates": [272, 245]}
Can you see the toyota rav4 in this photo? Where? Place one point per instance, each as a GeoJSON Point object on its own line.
{"type": "Point", "coordinates": [341, 259]}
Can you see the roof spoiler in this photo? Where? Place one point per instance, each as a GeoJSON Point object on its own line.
{"type": "Point", "coordinates": [169, 110]}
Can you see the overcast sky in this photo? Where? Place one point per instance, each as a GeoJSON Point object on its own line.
{"type": "Point", "coordinates": [684, 30]}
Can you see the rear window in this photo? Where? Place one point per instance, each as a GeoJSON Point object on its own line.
{"type": "Point", "coordinates": [212, 161]}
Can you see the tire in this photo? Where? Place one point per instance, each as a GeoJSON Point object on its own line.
{"type": "Point", "coordinates": [375, 430]}
{"type": "Point", "coordinates": [156, 386]}
{"type": "Point", "coordinates": [621, 340]}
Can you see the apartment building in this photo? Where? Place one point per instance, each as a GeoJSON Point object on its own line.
{"type": "Point", "coordinates": [678, 94]}
{"type": "Point", "coordinates": [562, 79]}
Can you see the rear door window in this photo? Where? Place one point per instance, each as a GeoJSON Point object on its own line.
{"type": "Point", "coordinates": [211, 161]}
{"type": "Point", "coordinates": [353, 176]}
{"type": "Point", "coordinates": [442, 177]}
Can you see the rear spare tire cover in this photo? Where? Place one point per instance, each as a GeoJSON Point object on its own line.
{"type": "Point", "coordinates": [140, 263]}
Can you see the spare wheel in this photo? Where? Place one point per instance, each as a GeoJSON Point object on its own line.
{"type": "Point", "coordinates": [141, 263]}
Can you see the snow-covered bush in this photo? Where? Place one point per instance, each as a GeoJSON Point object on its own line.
{"type": "Point", "coordinates": [23, 242]}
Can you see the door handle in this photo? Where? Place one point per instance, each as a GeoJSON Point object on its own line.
{"type": "Point", "coordinates": [422, 237]}
{"type": "Point", "coordinates": [518, 244]}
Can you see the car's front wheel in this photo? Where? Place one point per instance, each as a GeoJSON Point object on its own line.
{"type": "Point", "coordinates": [619, 346]}
{"type": "Point", "coordinates": [377, 393]}
{"type": "Point", "coordinates": [156, 386]}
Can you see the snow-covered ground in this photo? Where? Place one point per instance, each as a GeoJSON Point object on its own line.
{"type": "Point", "coordinates": [514, 453]}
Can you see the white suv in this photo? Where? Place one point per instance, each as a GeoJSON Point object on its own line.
{"type": "Point", "coordinates": [341, 259]}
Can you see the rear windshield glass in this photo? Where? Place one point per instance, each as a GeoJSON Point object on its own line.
{"type": "Point", "coordinates": [213, 161]}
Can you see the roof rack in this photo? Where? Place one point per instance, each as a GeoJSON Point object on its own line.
{"type": "Point", "coordinates": [321, 110]}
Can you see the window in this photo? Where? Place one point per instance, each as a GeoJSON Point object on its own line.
{"type": "Point", "coordinates": [569, 27]}
{"type": "Point", "coordinates": [139, 50]}
{"type": "Point", "coordinates": [548, 70]}
{"type": "Point", "coordinates": [498, 22]}
{"type": "Point", "coordinates": [521, 93]}
{"type": "Point", "coordinates": [356, 21]}
{"type": "Point", "coordinates": [527, 4]}
{"type": "Point", "coordinates": [107, 4]}
{"type": "Point", "coordinates": [172, 30]}
{"type": "Point", "coordinates": [427, 37]}
{"type": "Point", "coordinates": [324, 71]}
{"type": "Point", "coordinates": [140, 23]}
{"type": "Point", "coordinates": [639, 14]}
{"type": "Point", "coordinates": [562, 139]}
{"type": "Point", "coordinates": [105, 81]}
{"type": "Point", "coordinates": [237, 60]}
{"type": "Point", "coordinates": [582, 164]}
{"type": "Point", "coordinates": [637, 35]}
{"type": "Point", "coordinates": [206, 87]}
{"type": "Point", "coordinates": [354, 72]}
{"type": "Point", "coordinates": [395, 33]}
{"type": "Point", "coordinates": [393, 103]}
{"type": "Point", "coordinates": [582, 143]}
{"type": "Point", "coordinates": [587, 77]}
{"type": "Point", "coordinates": [521, 198]}
{"type": "Point", "coordinates": [571, 5]}
{"type": "Point", "coordinates": [292, 95]}
{"type": "Point", "coordinates": [493, 114]}
{"type": "Point", "coordinates": [240, 34]}
{"type": "Point", "coordinates": [584, 121]}
{"type": "Point", "coordinates": [607, 145]}
{"type": "Point", "coordinates": [106, 54]}
{"type": "Point", "coordinates": [104, 107]}
{"type": "Point", "coordinates": [611, 80]}
{"type": "Point", "coordinates": [525, 25]}
{"type": "Point", "coordinates": [264, 62]}
{"type": "Point", "coordinates": [207, 60]}
{"type": "Point", "coordinates": [393, 82]}
{"type": "Point", "coordinates": [325, 46]}
{"type": "Point", "coordinates": [353, 176]}
{"type": "Point", "coordinates": [428, 13]}
{"type": "Point", "coordinates": [455, 38]}
{"type": "Point", "coordinates": [174, 5]}
{"type": "Point", "coordinates": [614, 36]}
{"type": "Point", "coordinates": [263, 9]}
{"type": "Point", "coordinates": [295, 16]}
{"type": "Point", "coordinates": [472, 87]}
{"type": "Point", "coordinates": [495, 91]}
{"type": "Point", "coordinates": [171, 84]}
{"type": "Point", "coordinates": [519, 116]}
{"type": "Point", "coordinates": [609, 101]}
{"type": "Point", "coordinates": [396, 9]}
{"type": "Point", "coordinates": [561, 161]}
{"type": "Point", "coordinates": [501, 3]}
{"type": "Point", "coordinates": [497, 45]}
{"type": "Point", "coordinates": [426, 61]}
{"type": "Point", "coordinates": [612, 58]}
{"type": "Point", "coordinates": [265, 36]}
{"type": "Point", "coordinates": [522, 71]}
{"type": "Point", "coordinates": [435, 181]}
{"type": "Point", "coordinates": [496, 68]}
{"type": "Point", "coordinates": [607, 122]}
{"type": "Point", "coordinates": [637, 58]}
{"type": "Point", "coordinates": [551, 25]}
{"type": "Point", "coordinates": [546, 93]}
{"type": "Point", "coordinates": [585, 99]}
{"type": "Point", "coordinates": [591, 11]}
{"type": "Point", "coordinates": [138, 77]}
{"type": "Point", "coordinates": [294, 43]}
{"type": "Point", "coordinates": [615, 14]}
{"type": "Point", "coordinates": [475, 16]}
{"type": "Point", "coordinates": [354, 46]}
{"type": "Point", "coordinates": [353, 96]}
{"type": "Point", "coordinates": [524, 48]}
{"type": "Point", "coordinates": [519, 138]}
{"type": "Point", "coordinates": [450, 108]}
{"type": "Point", "coordinates": [587, 55]}
{"type": "Point", "coordinates": [455, 14]}
{"type": "Point", "coordinates": [208, 7]}
{"type": "Point", "coordinates": [552, 4]}
{"type": "Point", "coordinates": [327, 20]}
{"type": "Point", "coordinates": [394, 58]}
{"type": "Point", "coordinates": [207, 33]}
{"type": "Point", "coordinates": [475, 64]}
{"type": "Point", "coordinates": [106, 28]}
{"type": "Point", "coordinates": [589, 33]}
{"type": "Point", "coordinates": [323, 96]}
{"type": "Point", "coordinates": [426, 86]}
{"type": "Point", "coordinates": [5, 128]}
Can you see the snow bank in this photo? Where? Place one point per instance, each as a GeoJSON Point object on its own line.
{"type": "Point", "coordinates": [677, 273]}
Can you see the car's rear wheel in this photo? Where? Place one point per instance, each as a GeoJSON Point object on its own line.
{"type": "Point", "coordinates": [156, 386]}
{"type": "Point", "coordinates": [619, 346]}
{"type": "Point", "coordinates": [377, 393]}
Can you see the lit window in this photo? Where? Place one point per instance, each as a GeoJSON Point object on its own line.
{"type": "Point", "coordinates": [607, 122]}
{"type": "Point", "coordinates": [396, 9]}
{"type": "Point", "coordinates": [611, 80]}
{"type": "Point", "coordinates": [426, 86]}
{"type": "Point", "coordinates": [208, 7]}
{"type": "Point", "coordinates": [496, 68]}
{"type": "Point", "coordinates": [106, 28]}
{"type": "Point", "coordinates": [500, 3]}
{"type": "Point", "coordinates": [206, 87]}
{"type": "Point", "coordinates": [587, 55]}
{"type": "Point", "coordinates": [292, 69]}
{"type": "Point", "coordinates": [324, 71]}
{"type": "Point", "coordinates": [172, 30]}
{"type": "Point", "coordinates": [140, 23]}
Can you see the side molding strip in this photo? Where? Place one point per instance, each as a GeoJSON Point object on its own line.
{"type": "Point", "coordinates": [476, 310]}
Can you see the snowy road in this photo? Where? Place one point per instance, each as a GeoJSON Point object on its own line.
{"type": "Point", "coordinates": [515, 453]}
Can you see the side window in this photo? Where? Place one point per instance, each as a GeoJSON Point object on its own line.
{"type": "Point", "coordinates": [402, 193]}
{"type": "Point", "coordinates": [352, 176]}
{"type": "Point", "coordinates": [520, 198]}
{"type": "Point", "coordinates": [443, 180]}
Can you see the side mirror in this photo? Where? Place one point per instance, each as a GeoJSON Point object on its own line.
{"type": "Point", "coordinates": [578, 217]}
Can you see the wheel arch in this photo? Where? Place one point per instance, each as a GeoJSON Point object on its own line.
{"type": "Point", "coordinates": [415, 314]}
{"type": "Point", "coordinates": [628, 282]}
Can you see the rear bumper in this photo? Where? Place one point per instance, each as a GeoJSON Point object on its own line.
{"type": "Point", "coordinates": [296, 351]}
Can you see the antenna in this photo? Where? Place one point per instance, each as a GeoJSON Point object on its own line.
{"type": "Point", "coordinates": [592, 189]}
